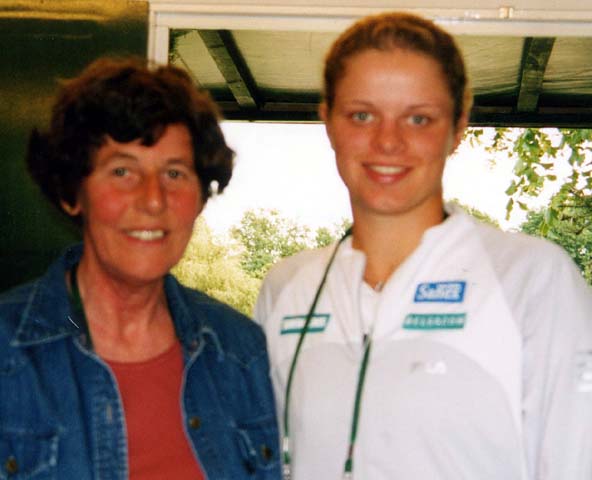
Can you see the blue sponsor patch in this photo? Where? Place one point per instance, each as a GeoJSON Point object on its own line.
{"type": "Point", "coordinates": [449, 292]}
{"type": "Point", "coordinates": [295, 323]}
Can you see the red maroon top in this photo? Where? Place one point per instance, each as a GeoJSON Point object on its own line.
{"type": "Point", "coordinates": [157, 444]}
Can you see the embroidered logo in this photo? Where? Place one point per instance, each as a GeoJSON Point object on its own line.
{"type": "Point", "coordinates": [584, 371]}
{"type": "Point", "coordinates": [449, 292]}
{"type": "Point", "coordinates": [432, 368]}
{"type": "Point", "coordinates": [295, 323]}
{"type": "Point", "coordinates": [434, 321]}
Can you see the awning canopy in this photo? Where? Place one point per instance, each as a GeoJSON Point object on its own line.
{"type": "Point", "coordinates": [529, 64]}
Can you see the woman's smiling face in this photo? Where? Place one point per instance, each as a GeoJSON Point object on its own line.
{"type": "Point", "coordinates": [139, 205]}
{"type": "Point", "coordinates": [391, 127]}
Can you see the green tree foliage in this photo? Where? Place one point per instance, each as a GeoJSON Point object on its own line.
{"type": "Point", "coordinates": [214, 269]}
{"type": "Point", "coordinates": [266, 236]}
{"type": "Point", "coordinates": [232, 271]}
{"type": "Point", "coordinates": [327, 235]}
{"type": "Point", "coordinates": [324, 237]}
{"type": "Point", "coordinates": [567, 221]}
{"type": "Point", "coordinates": [559, 158]}
{"type": "Point", "coordinates": [537, 154]}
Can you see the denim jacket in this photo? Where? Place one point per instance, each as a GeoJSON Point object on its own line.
{"type": "Point", "coordinates": [61, 415]}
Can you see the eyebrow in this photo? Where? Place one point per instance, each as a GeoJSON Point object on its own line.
{"type": "Point", "coordinates": [117, 155]}
{"type": "Point", "coordinates": [181, 160]}
{"type": "Point", "coordinates": [120, 155]}
{"type": "Point", "coordinates": [356, 102]}
{"type": "Point", "coordinates": [408, 108]}
{"type": "Point", "coordinates": [362, 102]}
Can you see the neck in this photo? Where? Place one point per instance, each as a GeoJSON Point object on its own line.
{"type": "Point", "coordinates": [388, 240]}
{"type": "Point", "coordinates": [127, 321]}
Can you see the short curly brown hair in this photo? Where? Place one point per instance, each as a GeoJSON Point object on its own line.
{"type": "Point", "coordinates": [393, 30]}
{"type": "Point", "coordinates": [126, 100]}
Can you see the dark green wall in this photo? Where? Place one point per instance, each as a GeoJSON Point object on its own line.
{"type": "Point", "coordinates": [34, 54]}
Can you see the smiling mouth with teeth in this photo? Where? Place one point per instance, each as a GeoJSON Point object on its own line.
{"type": "Point", "coordinates": [146, 235]}
{"type": "Point", "coordinates": [386, 169]}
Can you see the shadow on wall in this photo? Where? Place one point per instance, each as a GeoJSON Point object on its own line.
{"type": "Point", "coordinates": [36, 53]}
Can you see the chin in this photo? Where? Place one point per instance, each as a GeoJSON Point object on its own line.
{"type": "Point", "coordinates": [384, 207]}
{"type": "Point", "coordinates": [145, 274]}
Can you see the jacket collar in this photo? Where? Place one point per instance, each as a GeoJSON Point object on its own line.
{"type": "Point", "coordinates": [191, 324]}
{"type": "Point", "coordinates": [48, 315]}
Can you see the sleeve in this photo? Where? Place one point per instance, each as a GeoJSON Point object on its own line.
{"type": "Point", "coordinates": [262, 315]}
{"type": "Point", "coordinates": [264, 304]}
{"type": "Point", "coordinates": [276, 281]}
{"type": "Point", "coordinates": [260, 435]}
{"type": "Point", "coordinates": [557, 373]}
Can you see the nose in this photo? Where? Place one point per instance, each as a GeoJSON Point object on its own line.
{"type": "Point", "coordinates": [389, 136]}
{"type": "Point", "coordinates": [152, 196]}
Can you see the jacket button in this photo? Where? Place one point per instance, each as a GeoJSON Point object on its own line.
{"type": "Point", "coordinates": [266, 453]}
{"type": "Point", "coordinates": [11, 465]}
{"type": "Point", "coordinates": [194, 422]}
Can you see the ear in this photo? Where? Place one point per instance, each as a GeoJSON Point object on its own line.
{"type": "Point", "coordinates": [72, 210]}
{"type": "Point", "coordinates": [461, 126]}
{"type": "Point", "coordinates": [324, 115]}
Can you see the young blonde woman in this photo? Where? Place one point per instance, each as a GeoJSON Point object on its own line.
{"type": "Point", "coordinates": [423, 345]}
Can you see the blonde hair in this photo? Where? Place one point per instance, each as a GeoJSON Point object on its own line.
{"type": "Point", "coordinates": [389, 31]}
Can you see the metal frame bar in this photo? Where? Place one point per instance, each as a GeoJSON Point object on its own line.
{"type": "Point", "coordinates": [535, 57]}
{"type": "Point", "coordinates": [232, 66]}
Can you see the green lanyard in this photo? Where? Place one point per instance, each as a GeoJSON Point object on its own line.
{"type": "Point", "coordinates": [349, 462]}
{"type": "Point", "coordinates": [78, 307]}
{"type": "Point", "coordinates": [348, 467]}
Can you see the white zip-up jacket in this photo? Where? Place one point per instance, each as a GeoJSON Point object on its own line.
{"type": "Point", "coordinates": [480, 369]}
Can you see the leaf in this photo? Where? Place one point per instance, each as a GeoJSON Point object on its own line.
{"type": "Point", "coordinates": [509, 207]}
{"type": "Point", "coordinates": [547, 215]}
{"type": "Point", "coordinates": [511, 190]}
{"type": "Point", "coordinates": [567, 222]}
{"type": "Point", "coordinates": [544, 229]}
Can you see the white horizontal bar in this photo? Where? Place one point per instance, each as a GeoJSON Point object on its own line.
{"type": "Point", "coordinates": [499, 21]}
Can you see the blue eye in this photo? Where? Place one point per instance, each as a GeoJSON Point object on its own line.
{"type": "Point", "coordinates": [418, 119]}
{"type": "Point", "coordinates": [174, 174]}
{"type": "Point", "coordinates": [120, 171]}
{"type": "Point", "coordinates": [362, 117]}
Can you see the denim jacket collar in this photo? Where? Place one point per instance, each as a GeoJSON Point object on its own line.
{"type": "Point", "coordinates": [48, 315]}
{"type": "Point", "coordinates": [191, 326]}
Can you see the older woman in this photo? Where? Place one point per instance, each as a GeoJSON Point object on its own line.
{"type": "Point", "coordinates": [424, 345]}
{"type": "Point", "coordinates": [109, 368]}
